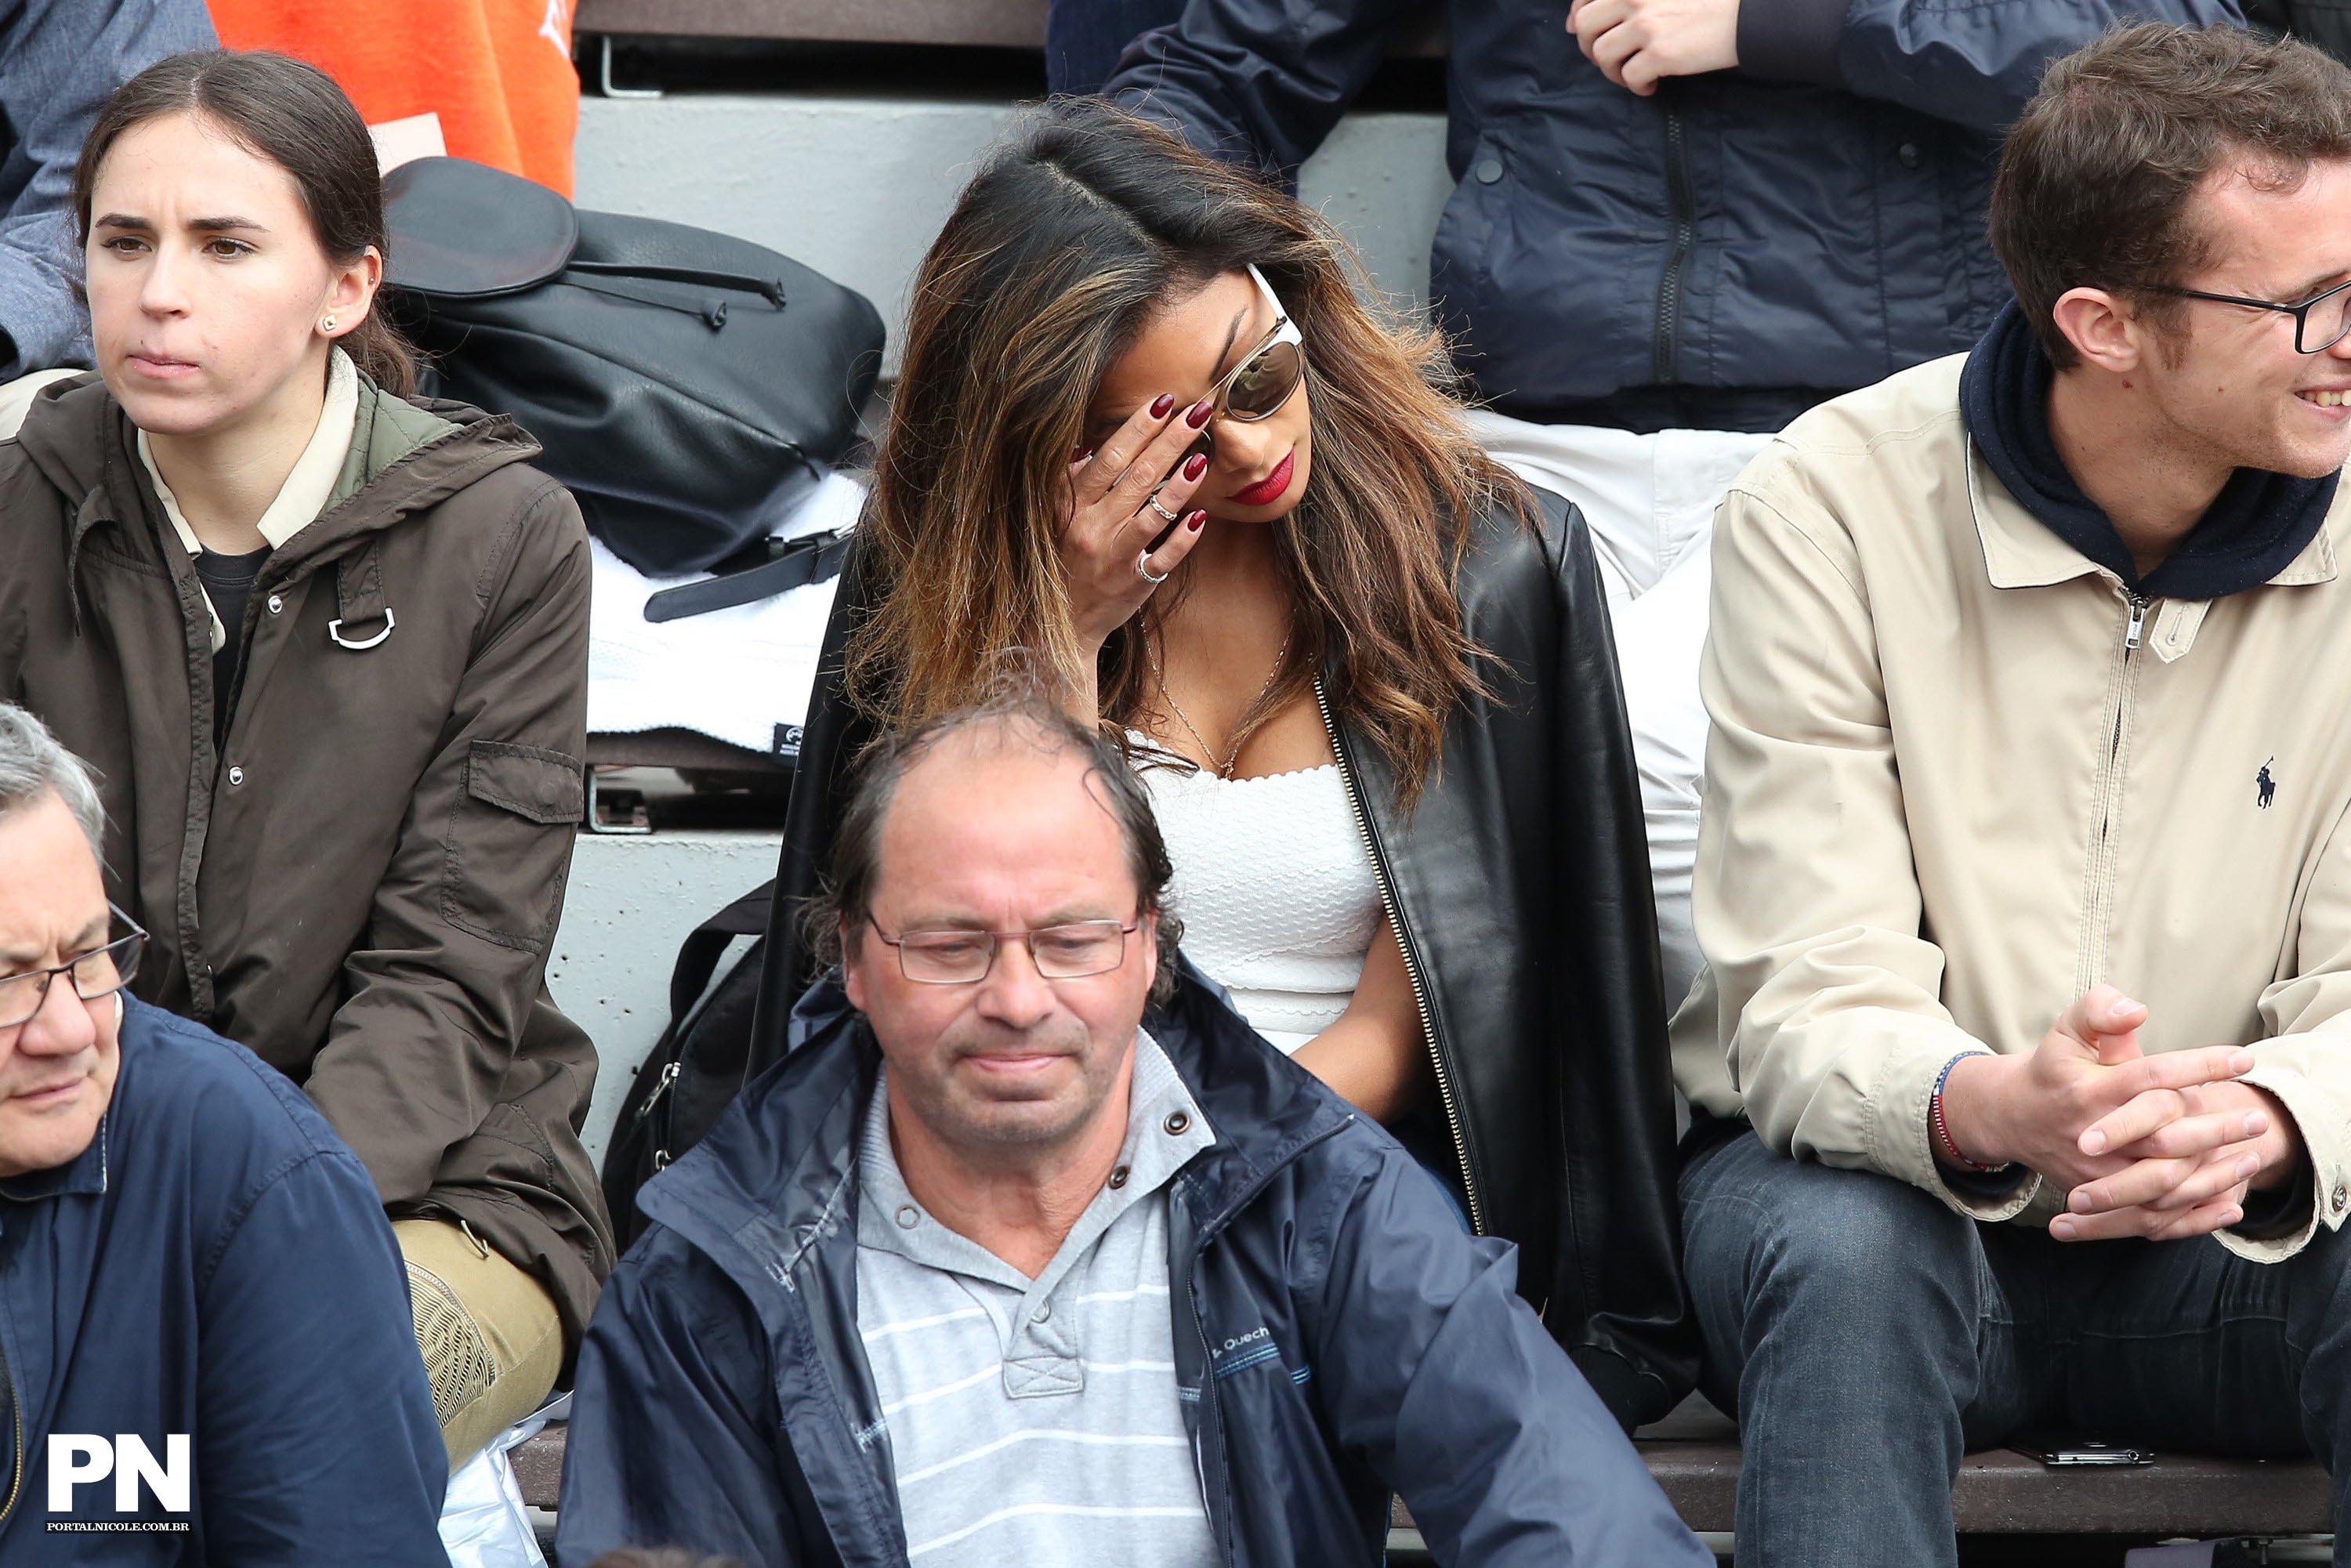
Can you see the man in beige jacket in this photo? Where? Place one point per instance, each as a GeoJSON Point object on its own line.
{"type": "Point", "coordinates": [2025, 881]}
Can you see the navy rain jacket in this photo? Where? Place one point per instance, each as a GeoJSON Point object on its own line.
{"type": "Point", "coordinates": [215, 1264]}
{"type": "Point", "coordinates": [1721, 255]}
{"type": "Point", "coordinates": [1337, 1333]}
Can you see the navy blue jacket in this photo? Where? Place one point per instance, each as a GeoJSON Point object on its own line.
{"type": "Point", "coordinates": [1337, 1334]}
{"type": "Point", "coordinates": [215, 1264]}
{"type": "Point", "coordinates": [1720, 255]}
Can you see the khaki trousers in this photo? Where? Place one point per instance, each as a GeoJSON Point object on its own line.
{"type": "Point", "coordinates": [491, 1341]}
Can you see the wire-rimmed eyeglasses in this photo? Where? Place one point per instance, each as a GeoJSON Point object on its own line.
{"type": "Point", "coordinates": [1069, 951]}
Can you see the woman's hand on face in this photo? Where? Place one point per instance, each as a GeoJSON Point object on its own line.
{"type": "Point", "coordinates": [1113, 534]}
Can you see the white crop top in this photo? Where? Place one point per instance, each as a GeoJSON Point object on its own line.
{"type": "Point", "coordinates": [1274, 885]}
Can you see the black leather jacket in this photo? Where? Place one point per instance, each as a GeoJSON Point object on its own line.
{"type": "Point", "coordinates": [1519, 892]}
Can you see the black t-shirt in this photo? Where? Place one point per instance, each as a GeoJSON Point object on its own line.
{"type": "Point", "coordinates": [228, 582]}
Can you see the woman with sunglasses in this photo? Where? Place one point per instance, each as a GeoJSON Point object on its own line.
{"type": "Point", "coordinates": [1147, 430]}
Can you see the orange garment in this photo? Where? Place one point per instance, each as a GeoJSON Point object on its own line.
{"type": "Point", "coordinates": [498, 73]}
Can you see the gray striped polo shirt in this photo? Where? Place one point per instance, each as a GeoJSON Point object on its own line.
{"type": "Point", "coordinates": [1036, 1421]}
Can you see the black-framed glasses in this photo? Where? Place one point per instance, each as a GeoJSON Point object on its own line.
{"type": "Point", "coordinates": [1069, 951]}
{"type": "Point", "coordinates": [97, 975]}
{"type": "Point", "coordinates": [2319, 322]}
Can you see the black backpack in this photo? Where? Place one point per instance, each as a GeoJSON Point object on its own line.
{"type": "Point", "coordinates": [687, 386]}
{"type": "Point", "coordinates": [696, 1066]}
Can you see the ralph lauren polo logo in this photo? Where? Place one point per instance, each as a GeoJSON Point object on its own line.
{"type": "Point", "coordinates": [2265, 787]}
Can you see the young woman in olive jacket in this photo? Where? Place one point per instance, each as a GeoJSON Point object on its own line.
{"type": "Point", "coordinates": [327, 648]}
{"type": "Point", "coordinates": [1147, 430]}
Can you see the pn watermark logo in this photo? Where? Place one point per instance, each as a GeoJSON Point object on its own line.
{"type": "Point", "coordinates": [83, 1460]}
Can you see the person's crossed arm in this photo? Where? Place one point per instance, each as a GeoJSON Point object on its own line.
{"type": "Point", "coordinates": [1974, 65]}
{"type": "Point", "coordinates": [1638, 43]}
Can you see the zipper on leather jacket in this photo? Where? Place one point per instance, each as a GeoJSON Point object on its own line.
{"type": "Point", "coordinates": [1411, 962]}
{"type": "Point", "coordinates": [2099, 883]}
{"type": "Point", "coordinates": [1669, 284]}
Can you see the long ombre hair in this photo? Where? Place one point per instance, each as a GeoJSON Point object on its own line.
{"type": "Point", "coordinates": [1057, 255]}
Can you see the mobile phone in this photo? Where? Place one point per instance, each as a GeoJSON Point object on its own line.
{"type": "Point", "coordinates": [2062, 1452]}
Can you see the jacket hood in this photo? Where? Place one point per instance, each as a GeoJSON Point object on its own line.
{"type": "Point", "coordinates": [404, 458]}
{"type": "Point", "coordinates": [772, 1176]}
{"type": "Point", "coordinates": [2254, 531]}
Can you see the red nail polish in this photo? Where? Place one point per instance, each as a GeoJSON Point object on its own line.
{"type": "Point", "coordinates": [1192, 524]}
{"type": "Point", "coordinates": [1162, 404]}
{"type": "Point", "coordinates": [1196, 465]}
{"type": "Point", "coordinates": [1199, 414]}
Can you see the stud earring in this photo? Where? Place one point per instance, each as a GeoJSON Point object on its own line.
{"type": "Point", "coordinates": [328, 325]}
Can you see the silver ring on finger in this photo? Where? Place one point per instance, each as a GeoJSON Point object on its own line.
{"type": "Point", "coordinates": [1153, 504]}
{"type": "Point", "coordinates": [1143, 569]}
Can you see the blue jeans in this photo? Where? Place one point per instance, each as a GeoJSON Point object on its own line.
{"type": "Point", "coordinates": [1866, 1336]}
{"type": "Point", "coordinates": [1083, 38]}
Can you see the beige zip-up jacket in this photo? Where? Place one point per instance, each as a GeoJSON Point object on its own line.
{"type": "Point", "coordinates": [1956, 777]}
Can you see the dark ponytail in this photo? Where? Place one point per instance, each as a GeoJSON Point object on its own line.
{"type": "Point", "coordinates": [294, 115]}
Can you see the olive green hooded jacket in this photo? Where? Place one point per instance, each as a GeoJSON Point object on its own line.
{"type": "Point", "coordinates": [360, 884]}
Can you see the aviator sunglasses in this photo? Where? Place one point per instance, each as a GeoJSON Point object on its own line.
{"type": "Point", "coordinates": [1268, 373]}
{"type": "Point", "coordinates": [1258, 387]}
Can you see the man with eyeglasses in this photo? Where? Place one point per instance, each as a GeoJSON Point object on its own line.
{"type": "Point", "coordinates": [206, 1350]}
{"type": "Point", "coordinates": [2022, 1058]}
{"type": "Point", "coordinates": [997, 1266]}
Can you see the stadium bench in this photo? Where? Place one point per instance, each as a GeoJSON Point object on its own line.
{"type": "Point", "coordinates": [1694, 1454]}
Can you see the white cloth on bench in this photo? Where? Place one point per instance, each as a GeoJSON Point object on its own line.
{"type": "Point", "coordinates": [732, 674]}
{"type": "Point", "coordinates": [485, 1523]}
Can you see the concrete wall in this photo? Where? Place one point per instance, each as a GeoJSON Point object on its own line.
{"type": "Point", "coordinates": [857, 186]}
{"type": "Point", "coordinates": [630, 902]}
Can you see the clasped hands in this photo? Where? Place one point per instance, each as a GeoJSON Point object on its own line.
{"type": "Point", "coordinates": [2164, 1146]}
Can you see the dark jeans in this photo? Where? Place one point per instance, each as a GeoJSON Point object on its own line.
{"type": "Point", "coordinates": [1083, 38]}
{"type": "Point", "coordinates": [1866, 1337]}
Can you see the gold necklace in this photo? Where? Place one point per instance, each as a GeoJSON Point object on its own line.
{"type": "Point", "coordinates": [1225, 767]}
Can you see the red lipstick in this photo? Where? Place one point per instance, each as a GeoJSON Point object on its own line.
{"type": "Point", "coordinates": [1269, 489]}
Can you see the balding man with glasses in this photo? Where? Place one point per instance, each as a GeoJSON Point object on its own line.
{"type": "Point", "coordinates": [205, 1349]}
{"type": "Point", "coordinates": [1031, 1252]}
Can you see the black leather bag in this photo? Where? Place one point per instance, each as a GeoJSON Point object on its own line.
{"type": "Point", "coordinates": [696, 1066]}
{"type": "Point", "coordinates": [688, 386]}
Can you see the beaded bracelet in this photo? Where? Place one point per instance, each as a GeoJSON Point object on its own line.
{"type": "Point", "coordinates": [1942, 1130]}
